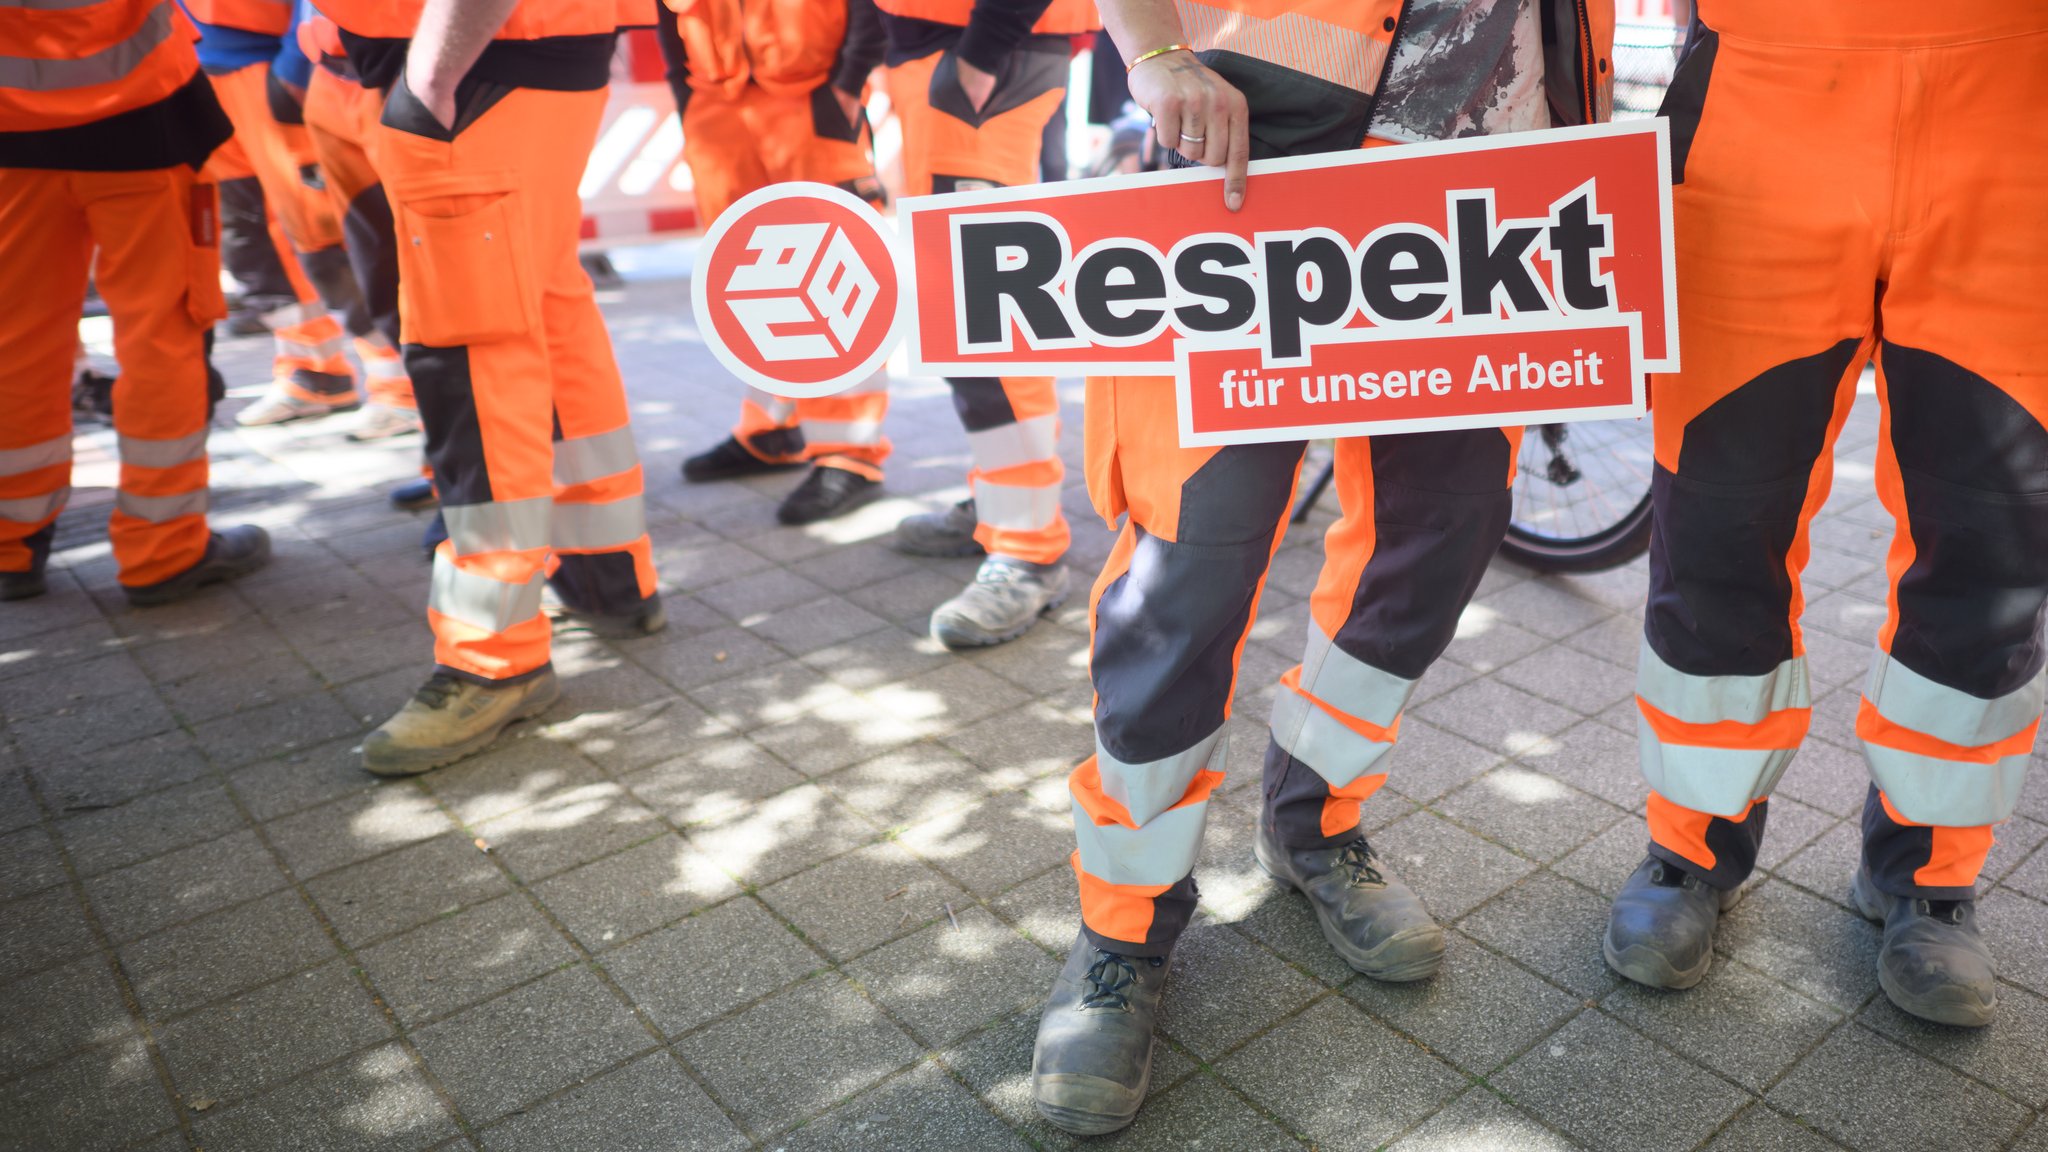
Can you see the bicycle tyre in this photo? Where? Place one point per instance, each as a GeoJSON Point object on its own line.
{"type": "Point", "coordinates": [1609, 548]}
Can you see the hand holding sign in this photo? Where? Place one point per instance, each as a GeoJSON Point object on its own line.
{"type": "Point", "coordinates": [1196, 113]}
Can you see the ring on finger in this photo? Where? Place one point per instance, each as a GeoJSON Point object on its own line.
{"type": "Point", "coordinates": [1192, 139]}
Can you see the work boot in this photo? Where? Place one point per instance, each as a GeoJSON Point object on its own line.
{"type": "Point", "coordinates": [449, 718]}
{"type": "Point", "coordinates": [1093, 1059]}
{"type": "Point", "coordinates": [415, 495]}
{"type": "Point", "coordinates": [645, 620]}
{"type": "Point", "coordinates": [23, 585]}
{"type": "Point", "coordinates": [1007, 597]}
{"type": "Point", "coordinates": [281, 407]}
{"type": "Point", "coordinates": [1376, 923]}
{"type": "Point", "coordinates": [728, 459]}
{"type": "Point", "coordinates": [826, 493]}
{"type": "Point", "coordinates": [1932, 962]}
{"type": "Point", "coordinates": [1660, 931]}
{"type": "Point", "coordinates": [382, 422]}
{"type": "Point", "coordinates": [947, 533]}
{"type": "Point", "coordinates": [231, 553]}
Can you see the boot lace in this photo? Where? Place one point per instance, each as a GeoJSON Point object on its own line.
{"type": "Point", "coordinates": [437, 691]}
{"type": "Point", "coordinates": [1110, 980]}
{"type": "Point", "coordinates": [1946, 911]}
{"type": "Point", "coordinates": [1357, 858]}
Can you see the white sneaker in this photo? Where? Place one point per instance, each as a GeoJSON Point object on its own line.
{"type": "Point", "coordinates": [382, 422]}
{"type": "Point", "coordinates": [281, 407]}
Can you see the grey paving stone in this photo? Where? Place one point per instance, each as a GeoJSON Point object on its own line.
{"type": "Point", "coordinates": [75, 781]}
{"type": "Point", "coordinates": [1595, 758]}
{"type": "Point", "coordinates": [1758, 1129]}
{"type": "Point", "coordinates": [2035, 1138]}
{"type": "Point", "coordinates": [1477, 1011]}
{"type": "Point", "coordinates": [797, 1053]}
{"type": "Point", "coordinates": [1198, 1114]}
{"type": "Point", "coordinates": [18, 809]}
{"type": "Point", "coordinates": [1834, 661]}
{"type": "Point", "coordinates": [29, 862]}
{"type": "Point", "coordinates": [1821, 950]}
{"type": "Point", "coordinates": [1487, 642]}
{"type": "Point", "coordinates": [1824, 866]}
{"type": "Point", "coordinates": [105, 839]}
{"type": "Point", "coordinates": [946, 698]}
{"type": "Point", "coordinates": [851, 566]}
{"type": "Point", "coordinates": [1498, 716]}
{"type": "Point", "coordinates": [456, 960]}
{"type": "Point", "coordinates": [1480, 1121]}
{"type": "Point", "coordinates": [1341, 1078]}
{"type": "Point", "coordinates": [1046, 908]}
{"type": "Point", "coordinates": [783, 834]}
{"type": "Point", "coordinates": [373, 1102]}
{"type": "Point", "coordinates": [2030, 876]}
{"type": "Point", "coordinates": [1831, 778]}
{"type": "Point", "coordinates": [1529, 812]}
{"type": "Point", "coordinates": [699, 660]}
{"type": "Point", "coordinates": [1545, 606]}
{"type": "Point", "coordinates": [1442, 677]}
{"type": "Point", "coordinates": [819, 624]}
{"type": "Point", "coordinates": [1605, 862]}
{"type": "Point", "coordinates": [864, 899]}
{"type": "Point", "coordinates": [203, 960]}
{"type": "Point", "coordinates": [569, 828]}
{"type": "Point", "coordinates": [1831, 1090]}
{"type": "Point", "coordinates": [1032, 741]}
{"type": "Point", "coordinates": [271, 1034]}
{"type": "Point", "coordinates": [880, 657]}
{"type": "Point", "coordinates": [910, 785]}
{"type": "Point", "coordinates": [716, 779]}
{"type": "Point", "coordinates": [1224, 989]}
{"type": "Point", "coordinates": [1552, 927]}
{"type": "Point", "coordinates": [1617, 640]}
{"type": "Point", "coordinates": [42, 930]}
{"type": "Point", "coordinates": [100, 1098]}
{"type": "Point", "coordinates": [988, 845]}
{"type": "Point", "coordinates": [639, 889]}
{"type": "Point", "coordinates": [390, 893]}
{"type": "Point", "coordinates": [709, 964]}
{"type": "Point", "coordinates": [650, 1105]}
{"type": "Point", "coordinates": [1427, 761]}
{"type": "Point", "coordinates": [909, 599]}
{"type": "Point", "coordinates": [1451, 869]}
{"type": "Point", "coordinates": [355, 828]}
{"type": "Point", "coordinates": [141, 898]}
{"type": "Point", "coordinates": [514, 774]}
{"type": "Point", "coordinates": [1791, 826]}
{"type": "Point", "coordinates": [510, 1051]}
{"type": "Point", "coordinates": [2015, 842]}
{"type": "Point", "coordinates": [1607, 1087]}
{"type": "Point", "coordinates": [59, 1010]}
{"type": "Point", "coordinates": [920, 1111]}
{"type": "Point", "coordinates": [1562, 675]}
{"type": "Point", "coordinates": [352, 657]}
{"type": "Point", "coordinates": [836, 735]}
{"type": "Point", "coordinates": [751, 598]}
{"type": "Point", "coordinates": [770, 695]}
{"type": "Point", "coordinates": [996, 1064]}
{"type": "Point", "coordinates": [89, 727]}
{"type": "Point", "coordinates": [273, 729]}
{"type": "Point", "coordinates": [1736, 1022]}
{"type": "Point", "coordinates": [2011, 1055]}
{"type": "Point", "coordinates": [949, 980]}
{"type": "Point", "coordinates": [2016, 928]}
{"type": "Point", "coordinates": [299, 780]}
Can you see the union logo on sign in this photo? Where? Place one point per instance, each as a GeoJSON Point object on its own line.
{"type": "Point", "coordinates": [796, 290]}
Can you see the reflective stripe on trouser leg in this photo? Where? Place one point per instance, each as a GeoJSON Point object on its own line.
{"type": "Point", "coordinates": [1012, 428]}
{"type": "Point", "coordinates": [604, 560]}
{"type": "Point", "coordinates": [768, 428]}
{"type": "Point", "coordinates": [484, 603]}
{"type": "Point", "coordinates": [845, 429]}
{"type": "Point", "coordinates": [35, 483]}
{"type": "Point", "coordinates": [312, 358]}
{"type": "Point", "coordinates": [1169, 616]}
{"type": "Point", "coordinates": [384, 375]}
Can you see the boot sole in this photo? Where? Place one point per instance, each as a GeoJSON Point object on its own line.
{"type": "Point", "coordinates": [864, 496]}
{"type": "Point", "coordinates": [1648, 967]}
{"type": "Point", "coordinates": [1959, 1010]}
{"type": "Point", "coordinates": [416, 762]}
{"type": "Point", "coordinates": [1078, 1123]}
{"type": "Point", "coordinates": [991, 639]}
{"type": "Point", "coordinates": [177, 588]}
{"type": "Point", "coordinates": [1389, 962]}
{"type": "Point", "coordinates": [741, 472]}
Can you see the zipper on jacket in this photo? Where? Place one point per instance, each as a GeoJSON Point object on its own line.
{"type": "Point", "coordinates": [1372, 105]}
{"type": "Point", "coordinates": [1589, 83]}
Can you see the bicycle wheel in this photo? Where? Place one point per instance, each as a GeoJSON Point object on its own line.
{"type": "Point", "coordinates": [1582, 496]}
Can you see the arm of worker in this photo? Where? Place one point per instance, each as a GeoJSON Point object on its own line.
{"type": "Point", "coordinates": [993, 31]}
{"type": "Point", "coordinates": [867, 41]}
{"type": "Point", "coordinates": [1194, 111]}
{"type": "Point", "coordinates": [445, 46]}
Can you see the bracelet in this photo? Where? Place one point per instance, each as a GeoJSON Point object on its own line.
{"type": "Point", "coordinates": [1155, 52]}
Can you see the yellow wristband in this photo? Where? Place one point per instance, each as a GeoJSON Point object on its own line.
{"type": "Point", "coordinates": [1155, 52]}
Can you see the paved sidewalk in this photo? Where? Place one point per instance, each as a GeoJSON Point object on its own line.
{"type": "Point", "coordinates": [789, 876]}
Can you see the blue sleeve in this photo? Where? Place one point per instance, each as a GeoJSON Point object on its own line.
{"type": "Point", "coordinates": [291, 64]}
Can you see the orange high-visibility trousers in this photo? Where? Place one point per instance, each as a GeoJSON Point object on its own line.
{"type": "Point", "coordinates": [1012, 422]}
{"type": "Point", "coordinates": [735, 145]}
{"type": "Point", "coordinates": [341, 116]}
{"type": "Point", "coordinates": [158, 270]}
{"type": "Point", "coordinates": [1854, 180]}
{"type": "Point", "coordinates": [1423, 515]}
{"type": "Point", "coordinates": [527, 427]}
{"type": "Point", "coordinates": [312, 359]}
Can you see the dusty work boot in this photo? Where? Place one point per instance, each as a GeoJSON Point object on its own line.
{"type": "Point", "coordinates": [826, 493]}
{"type": "Point", "coordinates": [415, 495]}
{"type": "Point", "coordinates": [947, 533]}
{"type": "Point", "coordinates": [1094, 1054]}
{"type": "Point", "coordinates": [281, 407]}
{"type": "Point", "coordinates": [230, 553]}
{"type": "Point", "coordinates": [449, 718]}
{"type": "Point", "coordinates": [1932, 962]}
{"type": "Point", "coordinates": [727, 460]}
{"type": "Point", "coordinates": [1660, 931]}
{"type": "Point", "coordinates": [1375, 923]}
{"type": "Point", "coordinates": [1007, 597]}
{"type": "Point", "coordinates": [382, 422]}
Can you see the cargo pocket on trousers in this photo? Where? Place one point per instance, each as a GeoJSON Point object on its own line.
{"type": "Point", "coordinates": [463, 274]}
{"type": "Point", "coordinates": [203, 296]}
{"type": "Point", "coordinates": [1098, 450]}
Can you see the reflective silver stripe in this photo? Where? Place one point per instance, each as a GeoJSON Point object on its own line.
{"type": "Point", "coordinates": [1712, 699]}
{"type": "Point", "coordinates": [1911, 700]}
{"type": "Point", "coordinates": [481, 602]}
{"type": "Point", "coordinates": [596, 527]}
{"type": "Point", "coordinates": [290, 315]}
{"type": "Point", "coordinates": [38, 74]}
{"type": "Point", "coordinates": [500, 526]}
{"type": "Point", "coordinates": [15, 461]}
{"type": "Point", "coordinates": [1145, 790]}
{"type": "Point", "coordinates": [324, 350]}
{"type": "Point", "coordinates": [1953, 793]}
{"type": "Point", "coordinates": [1160, 853]}
{"type": "Point", "coordinates": [1014, 508]}
{"type": "Point", "coordinates": [778, 408]}
{"type": "Point", "coordinates": [1336, 677]}
{"type": "Point", "coordinates": [581, 459]}
{"type": "Point", "coordinates": [34, 509]}
{"type": "Point", "coordinates": [818, 432]}
{"type": "Point", "coordinates": [1718, 780]}
{"type": "Point", "coordinates": [1009, 445]}
{"type": "Point", "coordinates": [1327, 51]}
{"type": "Point", "coordinates": [1321, 741]}
{"type": "Point", "coordinates": [162, 509]}
{"type": "Point", "coordinates": [163, 453]}
{"type": "Point", "coordinates": [384, 367]}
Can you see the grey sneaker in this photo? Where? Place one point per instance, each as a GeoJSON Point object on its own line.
{"type": "Point", "coordinates": [949, 532]}
{"type": "Point", "coordinates": [1660, 931]}
{"type": "Point", "coordinates": [1375, 923]}
{"type": "Point", "coordinates": [449, 718]}
{"type": "Point", "coordinates": [1007, 597]}
{"type": "Point", "coordinates": [1093, 1059]}
{"type": "Point", "coordinates": [1932, 962]}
